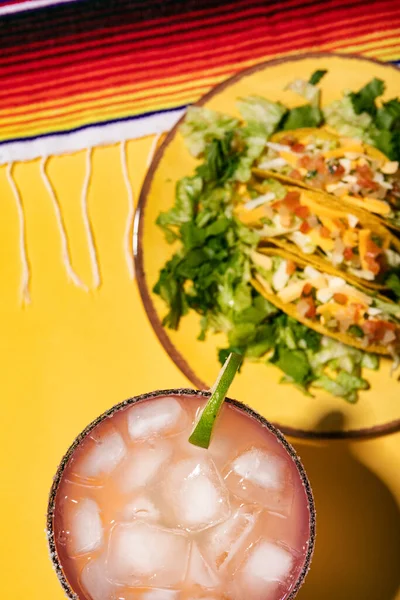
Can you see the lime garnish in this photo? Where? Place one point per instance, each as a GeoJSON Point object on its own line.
{"type": "Point", "coordinates": [201, 434]}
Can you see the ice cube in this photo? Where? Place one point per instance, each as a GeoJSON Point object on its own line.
{"type": "Point", "coordinates": [157, 417]}
{"type": "Point", "coordinates": [221, 543]}
{"type": "Point", "coordinates": [85, 528]}
{"type": "Point", "coordinates": [142, 464]}
{"type": "Point", "coordinates": [263, 477]}
{"type": "Point", "coordinates": [143, 554]}
{"type": "Point", "coordinates": [199, 571]}
{"type": "Point", "coordinates": [260, 468]}
{"type": "Point", "coordinates": [140, 508]}
{"type": "Point", "coordinates": [267, 566]}
{"type": "Point", "coordinates": [94, 581]}
{"type": "Point", "coordinates": [105, 453]}
{"type": "Point", "coordinates": [269, 562]}
{"type": "Point", "coordinates": [196, 494]}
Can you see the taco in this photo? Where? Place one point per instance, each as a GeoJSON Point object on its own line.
{"type": "Point", "coordinates": [352, 171]}
{"type": "Point", "coordinates": [327, 303]}
{"type": "Point", "coordinates": [353, 242]}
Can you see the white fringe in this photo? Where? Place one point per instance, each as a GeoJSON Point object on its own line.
{"type": "Point", "coordinates": [128, 244]}
{"type": "Point", "coordinates": [153, 149]}
{"type": "Point", "coordinates": [25, 275]}
{"type": "Point", "coordinates": [86, 220]}
{"type": "Point", "coordinates": [61, 226]}
{"type": "Point", "coordinates": [93, 136]}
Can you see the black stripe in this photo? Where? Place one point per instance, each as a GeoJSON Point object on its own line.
{"type": "Point", "coordinates": [90, 15]}
{"type": "Point", "coordinates": [161, 41]}
{"type": "Point", "coordinates": [200, 32]}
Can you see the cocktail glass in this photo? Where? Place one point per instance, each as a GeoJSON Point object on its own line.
{"type": "Point", "coordinates": [137, 512]}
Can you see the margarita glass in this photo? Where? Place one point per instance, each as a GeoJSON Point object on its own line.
{"type": "Point", "coordinates": [138, 512]}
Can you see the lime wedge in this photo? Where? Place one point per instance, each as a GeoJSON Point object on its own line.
{"type": "Point", "coordinates": [201, 434]}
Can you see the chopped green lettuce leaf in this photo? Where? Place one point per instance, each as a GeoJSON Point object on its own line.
{"type": "Point", "coordinates": [303, 116]}
{"type": "Point", "coordinates": [202, 125]}
{"type": "Point", "coordinates": [266, 114]}
{"type": "Point", "coordinates": [170, 288]}
{"type": "Point", "coordinates": [385, 132]}
{"type": "Point", "coordinates": [370, 361]}
{"type": "Point", "coordinates": [388, 115]}
{"type": "Point", "coordinates": [317, 76]}
{"type": "Point", "coordinates": [187, 195]}
{"type": "Point", "coordinates": [294, 363]}
{"type": "Point", "coordinates": [387, 142]}
{"type": "Point", "coordinates": [393, 283]}
{"type": "Point", "coordinates": [346, 386]}
{"type": "Point", "coordinates": [307, 90]}
{"type": "Point", "coordinates": [220, 160]}
{"type": "Point", "coordinates": [262, 118]}
{"type": "Point", "coordinates": [341, 115]}
{"type": "Point", "coordinates": [363, 101]}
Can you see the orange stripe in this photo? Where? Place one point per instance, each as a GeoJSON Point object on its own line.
{"type": "Point", "coordinates": [125, 110]}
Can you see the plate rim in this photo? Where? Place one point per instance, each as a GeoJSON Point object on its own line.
{"type": "Point", "coordinates": [138, 225]}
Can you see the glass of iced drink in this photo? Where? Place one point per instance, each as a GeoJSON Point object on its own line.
{"type": "Point", "coordinates": [136, 512]}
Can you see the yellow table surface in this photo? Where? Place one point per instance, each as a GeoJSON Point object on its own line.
{"type": "Point", "coordinates": [69, 355]}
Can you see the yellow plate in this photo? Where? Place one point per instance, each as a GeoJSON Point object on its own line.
{"type": "Point", "coordinates": [378, 409]}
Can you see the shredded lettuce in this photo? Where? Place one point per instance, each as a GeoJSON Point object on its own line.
{"type": "Point", "coordinates": [259, 111]}
{"type": "Point", "coordinates": [202, 125]}
{"type": "Point", "coordinates": [346, 386]}
{"type": "Point", "coordinates": [308, 115]}
{"type": "Point", "coordinates": [358, 115]}
{"type": "Point", "coordinates": [262, 118]}
{"type": "Point", "coordinates": [341, 116]}
{"type": "Point", "coordinates": [307, 90]}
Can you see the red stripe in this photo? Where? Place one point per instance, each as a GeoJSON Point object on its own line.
{"type": "Point", "coordinates": [137, 100]}
{"type": "Point", "coordinates": [113, 83]}
{"type": "Point", "coordinates": [151, 69]}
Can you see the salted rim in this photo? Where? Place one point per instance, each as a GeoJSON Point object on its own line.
{"type": "Point", "coordinates": [169, 347]}
{"type": "Point", "coordinates": [175, 392]}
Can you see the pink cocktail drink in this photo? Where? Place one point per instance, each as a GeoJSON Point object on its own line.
{"type": "Point", "coordinates": [138, 513]}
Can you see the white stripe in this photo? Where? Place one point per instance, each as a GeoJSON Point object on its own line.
{"type": "Point", "coordinates": [25, 275]}
{"type": "Point", "coordinates": [131, 212]}
{"type": "Point", "coordinates": [96, 135]}
{"type": "Point", "coordinates": [61, 226]}
{"type": "Point", "coordinates": [29, 5]}
{"type": "Point", "coordinates": [152, 150]}
{"type": "Point", "coordinates": [85, 213]}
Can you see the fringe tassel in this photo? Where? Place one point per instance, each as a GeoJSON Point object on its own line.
{"type": "Point", "coordinates": [26, 274]}
{"type": "Point", "coordinates": [128, 242]}
{"type": "Point", "coordinates": [86, 220]}
{"type": "Point", "coordinates": [61, 227]}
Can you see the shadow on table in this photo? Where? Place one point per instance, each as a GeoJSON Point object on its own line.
{"type": "Point", "coordinates": [357, 553]}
